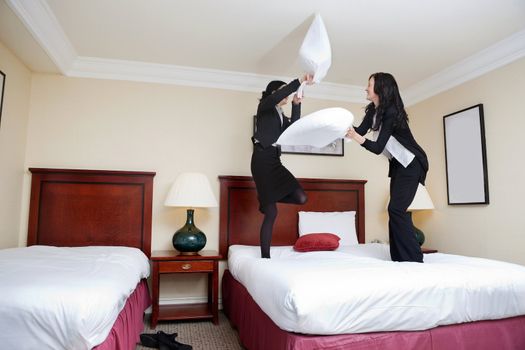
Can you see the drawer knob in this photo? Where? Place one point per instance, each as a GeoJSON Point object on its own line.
{"type": "Point", "coordinates": [186, 266]}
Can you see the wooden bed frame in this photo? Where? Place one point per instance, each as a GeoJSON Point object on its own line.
{"type": "Point", "coordinates": [72, 208]}
{"type": "Point", "coordinates": [239, 224]}
{"type": "Point", "coordinates": [240, 219]}
{"type": "Point", "coordinates": [90, 207]}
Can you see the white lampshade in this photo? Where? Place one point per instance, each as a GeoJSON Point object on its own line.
{"type": "Point", "coordinates": [191, 190]}
{"type": "Point", "coordinates": [421, 200]}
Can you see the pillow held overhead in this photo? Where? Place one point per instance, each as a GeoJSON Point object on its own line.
{"type": "Point", "coordinates": [318, 129]}
{"type": "Point", "coordinates": [315, 54]}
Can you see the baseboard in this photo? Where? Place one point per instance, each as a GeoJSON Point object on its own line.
{"type": "Point", "coordinates": [186, 300]}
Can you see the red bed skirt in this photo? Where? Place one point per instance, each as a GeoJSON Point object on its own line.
{"type": "Point", "coordinates": [258, 332]}
{"type": "Point", "coordinates": [125, 333]}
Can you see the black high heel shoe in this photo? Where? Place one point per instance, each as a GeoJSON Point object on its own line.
{"type": "Point", "coordinates": [169, 343]}
{"type": "Point", "coordinates": [152, 341]}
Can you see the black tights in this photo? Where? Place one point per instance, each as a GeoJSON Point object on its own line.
{"type": "Point", "coordinates": [270, 214]}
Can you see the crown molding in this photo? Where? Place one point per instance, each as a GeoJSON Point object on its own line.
{"type": "Point", "coordinates": [99, 68]}
{"type": "Point", "coordinates": [39, 19]}
{"type": "Point", "coordinates": [504, 52]}
{"type": "Point", "coordinates": [41, 22]}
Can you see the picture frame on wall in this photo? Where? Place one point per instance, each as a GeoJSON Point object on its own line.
{"type": "Point", "coordinates": [466, 156]}
{"type": "Point", "coordinates": [335, 148]}
{"type": "Point", "coordinates": [2, 87]}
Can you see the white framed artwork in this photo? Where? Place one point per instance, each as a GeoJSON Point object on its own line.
{"type": "Point", "coordinates": [466, 156]}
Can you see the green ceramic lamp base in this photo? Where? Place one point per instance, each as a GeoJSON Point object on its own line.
{"type": "Point", "coordinates": [188, 240]}
{"type": "Point", "coordinates": [420, 236]}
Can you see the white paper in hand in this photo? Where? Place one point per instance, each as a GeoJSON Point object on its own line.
{"type": "Point", "coordinates": [318, 129]}
{"type": "Point", "coordinates": [315, 54]}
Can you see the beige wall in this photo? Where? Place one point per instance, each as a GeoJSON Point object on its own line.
{"type": "Point", "coordinates": [496, 230]}
{"type": "Point", "coordinates": [13, 129]}
{"type": "Point", "coordinates": [103, 124]}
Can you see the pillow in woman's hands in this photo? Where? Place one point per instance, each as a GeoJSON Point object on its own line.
{"type": "Point", "coordinates": [318, 129]}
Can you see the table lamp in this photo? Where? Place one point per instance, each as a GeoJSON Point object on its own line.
{"type": "Point", "coordinates": [190, 190]}
{"type": "Point", "coordinates": [421, 201]}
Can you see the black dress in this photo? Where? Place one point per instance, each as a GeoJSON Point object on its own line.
{"type": "Point", "coordinates": [272, 179]}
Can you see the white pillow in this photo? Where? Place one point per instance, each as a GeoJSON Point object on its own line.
{"type": "Point", "coordinates": [315, 54]}
{"type": "Point", "coordinates": [318, 129]}
{"type": "Point", "coordinates": [341, 223]}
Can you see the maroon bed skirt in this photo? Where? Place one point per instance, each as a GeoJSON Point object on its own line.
{"type": "Point", "coordinates": [258, 332]}
{"type": "Point", "coordinates": [130, 322]}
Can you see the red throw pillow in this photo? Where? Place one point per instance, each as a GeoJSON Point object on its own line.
{"type": "Point", "coordinates": [317, 241]}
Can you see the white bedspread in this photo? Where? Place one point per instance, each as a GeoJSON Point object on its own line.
{"type": "Point", "coordinates": [64, 298]}
{"type": "Point", "coordinates": [358, 289]}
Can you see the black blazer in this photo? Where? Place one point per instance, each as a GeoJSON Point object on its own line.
{"type": "Point", "coordinates": [402, 134]}
{"type": "Point", "coordinates": [268, 123]}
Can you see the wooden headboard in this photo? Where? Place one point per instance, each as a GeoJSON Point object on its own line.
{"type": "Point", "coordinates": [240, 219]}
{"type": "Point", "coordinates": [72, 208]}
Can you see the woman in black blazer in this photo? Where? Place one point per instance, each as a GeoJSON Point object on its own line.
{"type": "Point", "coordinates": [273, 181]}
{"type": "Point", "coordinates": [386, 117]}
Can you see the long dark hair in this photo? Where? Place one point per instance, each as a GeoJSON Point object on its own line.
{"type": "Point", "coordinates": [271, 87]}
{"type": "Point", "coordinates": [385, 87]}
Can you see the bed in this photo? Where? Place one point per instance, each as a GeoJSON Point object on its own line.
{"type": "Point", "coordinates": [264, 324]}
{"type": "Point", "coordinates": [81, 282]}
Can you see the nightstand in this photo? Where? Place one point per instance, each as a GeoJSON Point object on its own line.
{"type": "Point", "coordinates": [428, 250]}
{"type": "Point", "coordinates": [171, 262]}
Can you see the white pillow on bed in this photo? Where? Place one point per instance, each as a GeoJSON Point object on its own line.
{"type": "Point", "coordinates": [318, 129]}
{"type": "Point", "coordinates": [341, 223]}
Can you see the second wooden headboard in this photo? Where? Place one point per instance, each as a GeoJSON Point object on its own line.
{"type": "Point", "coordinates": [240, 218]}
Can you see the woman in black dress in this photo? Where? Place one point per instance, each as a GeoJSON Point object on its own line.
{"type": "Point", "coordinates": [273, 181]}
{"type": "Point", "coordinates": [386, 118]}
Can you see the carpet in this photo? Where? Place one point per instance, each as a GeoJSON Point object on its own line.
{"type": "Point", "coordinates": [201, 335]}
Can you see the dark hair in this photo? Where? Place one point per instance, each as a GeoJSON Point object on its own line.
{"type": "Point", "coordinates": [385, 87]}
{"type": "Point", "coordinates": [271, 87]}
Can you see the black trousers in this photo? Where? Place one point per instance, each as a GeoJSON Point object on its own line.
{"type": "Point", "coordinates": [403, 187]}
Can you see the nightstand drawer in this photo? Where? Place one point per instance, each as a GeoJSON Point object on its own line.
{"type": "Point", "coordinates": [185, 266]}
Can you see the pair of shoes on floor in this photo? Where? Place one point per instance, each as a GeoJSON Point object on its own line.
{"type": "Point", "coordinates": [152, 340]}
{"type": "Point", "coordinates": [168, 342]}
{"type": "Point", "coordinates": [163, 341]}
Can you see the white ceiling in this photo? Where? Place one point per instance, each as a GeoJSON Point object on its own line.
{"type": "Point", "coordinates": [429, 45]}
